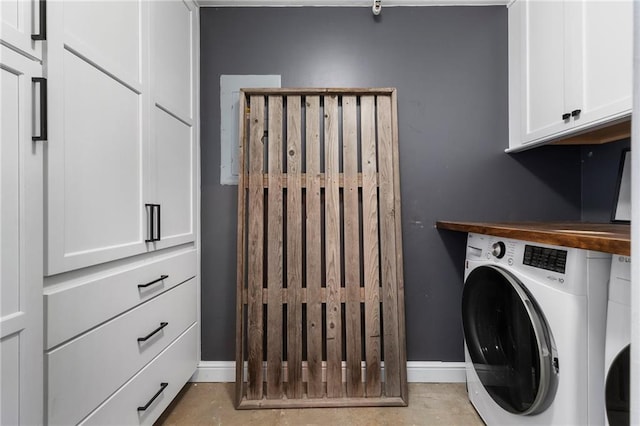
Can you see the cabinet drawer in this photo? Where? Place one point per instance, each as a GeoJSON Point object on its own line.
{"type": "Point", "coordinates": [84, 372]}
{"type": "Point", "coordinates": [174, 366]}
{"type": "Point", "coordinates": [75, 309]}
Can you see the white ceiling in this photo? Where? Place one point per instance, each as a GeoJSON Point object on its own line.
{"type": "Point", "coordinates": [349, 3]}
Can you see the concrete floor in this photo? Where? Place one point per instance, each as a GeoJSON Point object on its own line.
{"type": "Point", "coordinates": [429, 404]}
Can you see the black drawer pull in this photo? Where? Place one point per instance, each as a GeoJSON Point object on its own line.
{"type": "Point", "coordinates": [566, 116]}
{"type": "Point", "coordinates": [42, 82]}
{"type": "Point", "coordinates": [162, 277]}
{"type": "Point", "coordinates": [575, 112]}
{"type": "Point", "coordinates": [162, 386]}
{"type": "Point", "coordinates": [148, 336]}
{"type": "Point", "coordinates": [42, 31]}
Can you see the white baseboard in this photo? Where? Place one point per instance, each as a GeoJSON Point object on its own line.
{"type": "Point", "coordinates": [417, 372]}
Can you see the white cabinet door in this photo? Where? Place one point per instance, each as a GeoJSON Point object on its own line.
{"type": "Point", "coordinates": [174, 172]}
{"type": "Point", "coordinates": [172, 52]}
{"type": "Point", "coordinates": [19, 20]}
{"type": "Point", "coordinates": [543, 66]}
{"type": "Point", "coordinates": [21, 316]}
{"type": "Point", "coordinates": [173, 136]}
{"type": "Point", "coordinates": [604, 60]}
{"type": "Point", "coordinates": [98, 135]}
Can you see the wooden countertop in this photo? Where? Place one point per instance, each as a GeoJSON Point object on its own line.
{"type": "Point", "coordinates": [605, 237]}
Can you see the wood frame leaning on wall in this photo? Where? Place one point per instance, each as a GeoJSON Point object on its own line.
{"type": "Point", "coordinates": [319, 184]}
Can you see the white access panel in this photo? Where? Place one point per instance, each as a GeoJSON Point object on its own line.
{"type": "Point", "coordinates": [230, 86]}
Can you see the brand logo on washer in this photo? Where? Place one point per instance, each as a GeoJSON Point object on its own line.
{"type": "Point", "coordinates": [624, 259]}
{"type": "Point", "coordinates": [552, 278]}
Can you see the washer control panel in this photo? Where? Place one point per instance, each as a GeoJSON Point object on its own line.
{"type": "Point", "coordinates": [545, 258]}
{"type": "Point", "coordinates": [505, 250]}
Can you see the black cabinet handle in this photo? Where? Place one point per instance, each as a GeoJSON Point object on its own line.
{"type": "Point", "coordinates": [42, 30]}
{"type": "Point", "coordinates": [153, 211]}
{"type": "Point", "coordinates": [162, 277]}
{"type": "Point", "coordinates": [566, 116]}
{"type": "Point", "coordinates": [162, 387]}
{"type": "Point", "coordinates": [42, 82]}
{"type": "Point", "coordinates": [148, 336]}
{"type": "Point", "coordinates": [575, 112]}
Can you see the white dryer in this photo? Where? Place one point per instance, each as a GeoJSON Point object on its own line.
{"type": "Point", "coordinates": [534, 326]}
{"type": "Point", "coordinates": [618, 339]}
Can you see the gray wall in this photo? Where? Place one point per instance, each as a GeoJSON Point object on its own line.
{"type": "Point", "coordinates": [600, 167]}
{"type": "Point", "coordinates": [449, 65]}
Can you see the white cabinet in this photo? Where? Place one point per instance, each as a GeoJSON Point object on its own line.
{"type": "Point", "coordinates": [104, 358]}
{"type": "Point", "coordinates": [173, 105]}
{"type": "Point", "coordinates": [21, 316]}
{"type": "Point", "coordinates": [569, 67]}
{"type": "Point", "coordinates": [23, 26]}
{"type": "Point", "coordinates": [122, 134]}
{"type": "Point", "coordinates": [121, 261]}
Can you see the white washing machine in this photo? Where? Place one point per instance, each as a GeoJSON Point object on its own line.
{"type": "Point", "coordinates": [618, 338]}
{"type": "Point", "coordinates": [534, 323]}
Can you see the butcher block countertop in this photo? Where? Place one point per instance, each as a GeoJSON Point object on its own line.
{"type": "Point", "coordinates": [605, 237]}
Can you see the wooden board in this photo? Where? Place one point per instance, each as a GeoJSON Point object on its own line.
{"type": "Point", "coordinates": [255, 249]}
{"type": "Point", "coordinates": [274, 252]}
{"type": "Point", "coordinates": [320, 286]}
{"type": "Point", "coordinates": [614, 238]}
{"type": "Point", "coordinates": [315, 387]}
{"type": "Point", "coordinates": [332, 248]}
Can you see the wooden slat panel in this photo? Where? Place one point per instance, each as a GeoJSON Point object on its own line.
{"type": "Point", "coordinates": [255, 250]}
{"type": "Point", "coordinates": [352, 246]}
{"type": "Point", "coordinates": [315, 388]}
{"type": "Point", "coordinates": [377, 254]}
{"type": "Point", "coordinates": [240, 276]}
{"type": "Point", "coordinates": [370, 246]}
{"type": "Point", "coordinates": [402, 344]}
{"type": "Point", "coordinates": [294, 248]}
{"type": "Point", "coordinates": [388, 248]}
{"type": "Point", "coordinates": [274, 252]}
{"type": "Point", "coordinates": [332, 248]}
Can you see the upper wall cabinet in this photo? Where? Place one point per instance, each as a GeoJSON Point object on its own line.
{"type": "Point", "coordinates": [570, 65]}
{"type": "Point", "coordinates": [120, 156]}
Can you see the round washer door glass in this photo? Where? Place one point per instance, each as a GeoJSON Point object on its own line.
{"type": "Point", "coordinates": [617, 389]}
{"type": "Point", "coordinates": [509, 342]}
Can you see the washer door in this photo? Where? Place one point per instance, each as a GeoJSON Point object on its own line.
{"type": "Point", "coordinates": [509, 342]}
{"type": "Point", "coordinates": [618, 388]}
